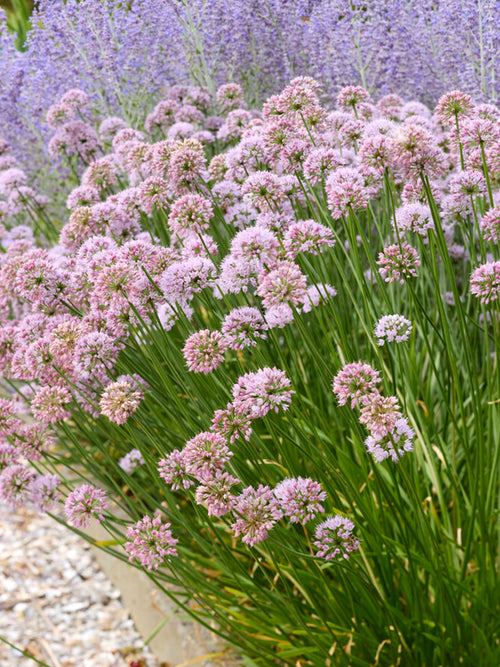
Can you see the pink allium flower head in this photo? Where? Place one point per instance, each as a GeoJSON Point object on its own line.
{"type": "Point", "coordinates": [467, 184]}
{"type": "Point", "coordinates": [75, 138]}
{"type": "Point", "coordinates": [454, 105]}
{"type": "Point", "coordinates": [204, 351]}
{"type": "Point", "coordinates": [130, 461]}
{"type": "Point", "coordinates": [180, 130]}
{"type": "Point", "coordinates": [356, 381]}
{"type": "Point", "coordinates": [44, 492]}
{"type": "Point", "coordinates": [100, 174]}
{"type": "Point", "coordinates": [95, 355]}
{"type": "Point", "coordinates": [317, 295]}
{"type": "Point", "coordinates": [392, 328]}
{"type": "Point", "coordinates": [183, 279]}
{"type": "Point", "coordinates": [349, 97]}
{"type": "Point", "coordinates": [263, 189]}
{"type": "Point", "coordinates": [233, 126]}
{"type": "Point", "coordinates": [231, 424]}
{"type": "Point", "coordinates": [345, 189]}
{"type": "Point", "coordinates": [11, 179]}
{"type": "Point", "coordinates": [153, 193]}
{"type": "Point", "coordinates": [187, 164]}
{"type": "Point", "coordinates": [204, 454]}
{"type": "Point", "coordinates": [255, 394]}
{"type": "Point", "coordinates": [190, 214]}
{"type": "Point", "coordinates": [307, 236]}
{"type": "Point", "coordinates": [230, 96]}
{"type": "Point", "coordinates": [414, 217]}
{"type": "Point", "coordinates": [188, 113]}
{"type": "Point", "coordinates": [111, 126]}
{"type": "Point", "coordinates": [485, 282]}
{"type": "Point", "coordinates": [15, 484]}
{"type": "Point", "coordinates": [284, 284]}
{"type": "Point", "coordinates": [374, 152]}
{"type": "Point", "coordinates": [257, 247]}
{"type": "Point", "coordinates": [380, 414]}
{"type": "Point", "coordinates": [334, 537]}
{"type": "Point", "coordinates": [75, 98]}
{"type": "Point", "coordinates": [278, 316]}
{"type": "Point", "coordinates": [125, 135]}
{"type": "Point", "coordinates": [83, 504]}
{"type": "Point", "coordinates": [242, 327]}
{"type": "Point", "coordinates": [300, 498]}
{"type": "Point", "coordinates": [320, 162]}
{"type": "Point", "coordinates": [217, 168]}
{"type": "Point", "coordinates": [173, 471]}
{"type": "Point", "coordinates": [83, 195]}
{"type": "Point", "coordinates": [8, 455]}
{"type": "Point", "coordinates": [121, 399]}
{"type": "Point", "coordinates": [293, 155]}
{"type": "Point", "coordinates": [415, 150]}
{"type": "Point", "coordinates": [257, 512]}
{"type": "Point", "coordinates": [33, 440]}
{"type": "Point", "coordinates": [48, 404]}
{"type": "Point", "coordinates": [394, 444]}
{"type": "Point", "coordinates": [201, 245]}
{"type": "Point", "coordinates": [215, 493]}
{"type": "Point", "coordinates": [398, 262]}
{"type": "Point", "coordinates": [490, 225]}
{"type": "Point", "coordinates": [151, 542]}
{"type": "Point", "coordinates": [350, 133]}
{"type": "Point", "coordinates": [390, 106]}
{"type": "Point", "coordinates": [58, 114]}
{"type": "Point", "coordinates": [162, 116]}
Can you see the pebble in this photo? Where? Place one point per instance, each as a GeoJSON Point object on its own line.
{"type": "Point", "coordinates": [55, 602]}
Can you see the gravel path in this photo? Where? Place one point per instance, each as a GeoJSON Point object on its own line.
{"type": "Point", "coordinates": [55, 602]}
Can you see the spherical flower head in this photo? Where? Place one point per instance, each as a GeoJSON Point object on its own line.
{"type": "Point", "coordinates": [183, 279]}
{"type": "Point", "coordinates": [334, 537]}
{"type": "Point", "coordinates": [231, 424]}
{"type": "Point", "coordinates": [259, 392]}
{"type": "Point", "coordinates": [204, 351]}
{"type": "Point", "coordinates": [320, 162]}
{"type": "Point", "coordinates": [190, 214]}
{"type": "Point", "coordinates": [44, 492]}
{"type": "Point", "coordinates": [300, 498]}
{"type": "Point", "coordinates": [130, 461]}
{"type": "Point", "coordinates": [485, 282]}
{"type": "Point", "coordinates": [414, 217]}
{"type": "Point", "coordinates": [83, 195]}
{"type": "Point", "coordinates": [58, 114]}
{"type": "Point", "coordinates": [395, 444]}
{"type": "Point", "coordinates": [230, 96]}
{"type": "Point", "coordinates": [398, 262]}
{"type": "Point", "coordinates": [215, 493]}
{"type": "Point", "coordinates": [75, 99]}
{"type": "Point", "coordinates": [111, 126]}
{"type": "Point", "coordinates": [355, 381]}
{"type": "Point", "coordinates": [454, 105]}
{"type": "Point", "coordinates": [150, 542]}
{"type": "Point", "coordinates": [33, 440]}
{"type": "Point", "coordinates": [173, 471]}
{"type": "Point", "coordinates": [263, 189]}
{"type": "Point", "coordinates": [15, 484]}
{"type": "Point", "coordinates": [349, 97]}
{"type": "Point", "coordinates": [95, 355]}
{"type": "Point", "coordinates": [242, 327]}
{"type": "Point", "coordinates": [8, 421]}
{"type": "Point", "coordinates": [257, 512]}
{"type": "Point", "coordinates": [318, 295]}
{"type": "Point", "coordinates": [120, 400]}
{"type": "Point", "coordinates": [205, 454]}
{"type": "Point", "coordinates": [490, 225]}
{"type": "Point", "coordinates": [374, 152]}
{"type": "Point", "coordinates": [277, 317]}
{"type": "Point", "coordinates": [307, 236]}
{"type": "Point", "coordinates": [153, 193]}
{"type": "Point", "coordinates": [392, 328]}
{"type": "Point", "coordinates": [83, 504]}
{"type": "Point", "coordinates": [48, 404]}
{"type": "Point", "coordinates": [100, 174]}
{"type": "Point", "coordinates": [8, 455]}
{"type": "Point", "coordinates": [345, 190]}
{"type": "Point", "coordinates": [380, 414]}
{"type": "Point", "coordinates": [284, 284]}
{"type": "Point", "coordinates": [414, 149]}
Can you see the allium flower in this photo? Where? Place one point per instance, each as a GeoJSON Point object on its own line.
{"type": "Point", "coordinates": [394, 444]}
{"type": "Point", "coordinates": [350, 96]}
{"type": "Point", "coordinates": [8, 455]}
{"type": "Point", "coordinates": [380, 414]}
{"type": "Point", "coordinates": [100, 174]}
{"type": "Point", "coordinates": [415, 150]}
{"type": "Point", "coordinates": [392, 328]}
{"type": "Point", "coordinates": [284, 284]}
{"type": "Point", "coordinates": [15, 484]}
{"type": "Point", "coordinates": [131, 461]}
{"type": "Point", "coordinates": [278, 316]}
{"type": "Point", "coordinates": [58, 114]}
{"type": "Point", "coordinates": [453, 105]}
{"type": "Point", "coordinates": [263, 189]}
{"type": "Point", "coordinates": [231, 424]}
{"type": "Point", "coordinates": [8, 421]}
{"type": "Point", "coordinates": [153, 193]}
{"type": "Point", "coordinates": [307, 236]}
{"type": "Point", "coordinates": [48, 404]}
{"type": "Point", "coordinates": [33, 440]}
{"type": "Point", "coordinates": [190, 214]}
{"type": "Point", "coordinates": [300, 498]}
{"type": "Point", "coordinates": [44, 492]}
{"type": "Point", "coordinates": [111, 126]}
{"type": "Point", "coordinates": [173, 471]}
{"type": "Point", "coordinates": [398, 262]}
{"type": "Point", "coordinates": [95, 355]}
{"type": "Point", "coordinates": [242, 327]}
{"type": "Point", "coordinates": [230, 96]}
{"type": "Point", "coordinates": [485, 282]}
{"type": "Point", "coordinates": [414, 217]}
{"type": "Point", "coordinates": [215, 493]}
{"type": "Point", "coordinates": [75, 98]}
{"type": "Point", "coordinates": [317, 295]}
{"type": "Point", "coordinates": [320, 163]}
{"type": "Point", "coordinates": [356, 381]}
{"type": "Point", "coordinates": [83, 195]}
{"type": "Point", "coordinates": [257, 511]}
{"type": "Point", "coordinates": [152, 542]}
{"type": "Point", "coordinates": [183, 279]}
{"type": "Point", "coordinates": [205, 454]}
{"type": "Point", "coordinates": [490, 225]}
{"type": "Point", "coordinates": [83, 504]}
{"type": "Point", "coordinates": [204, 351]}
{"type": "Point", "coordinates": [120, 400]}
{"type": "Point", "coordinates": [345, 190]}
{"type": "Point", "coordinates": [374, 153]}
{"type": "Point", "coordinates": [257, 393]}
{"type": "Point", "coordinates": [334, 538]}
